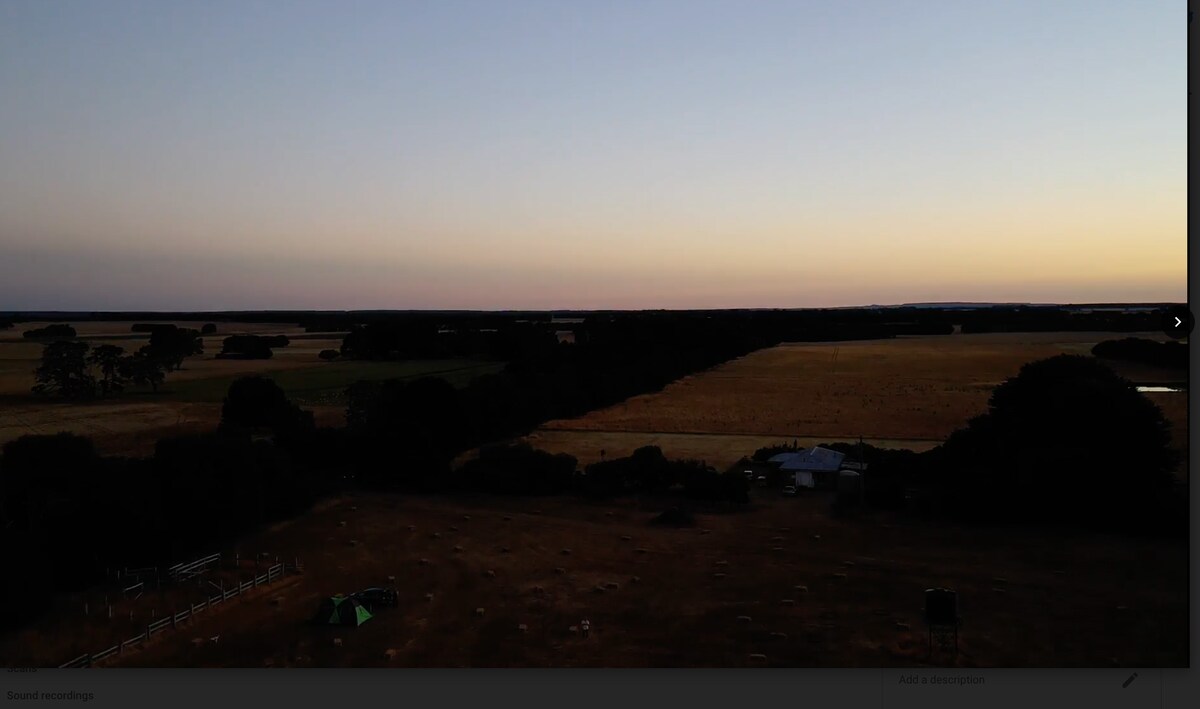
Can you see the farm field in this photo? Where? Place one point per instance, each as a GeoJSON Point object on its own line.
{"type": "Point", "coordinates": [782, 578]}
{"type": "Point", "coordinates": [190, 399]}
{"type": "Point", "coordinates": [907, 392]}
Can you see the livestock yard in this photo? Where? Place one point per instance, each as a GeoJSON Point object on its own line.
{"type": "Point", "coordinates": [782, 582]}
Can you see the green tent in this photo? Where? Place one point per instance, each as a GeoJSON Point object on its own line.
{"type": "Point", "coordinates": [340, 610]}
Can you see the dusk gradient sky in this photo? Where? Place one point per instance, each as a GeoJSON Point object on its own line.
{"type": "Point", "coordinates": [568, 154]}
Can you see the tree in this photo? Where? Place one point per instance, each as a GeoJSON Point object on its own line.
{"type": "Point", "coordinates": [257, 402]}
{"type": "Point", "coordinates": [142, 370]}
{"type": "Point", "coordinates": [170, 345]}
{"type": "Point", "coordinates": [209, 329]}
{"type": "Point", "coordinates": [108, 359]}
{"type": "Point", "coordinates": [64, 371]}
{"type": "Point", "coordinates": [1067, 438]}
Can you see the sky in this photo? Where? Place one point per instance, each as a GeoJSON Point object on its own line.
{"type": "Point", "coordinates": [502, 154]}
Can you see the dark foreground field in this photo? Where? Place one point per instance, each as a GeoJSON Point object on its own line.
{"type": "Point", "coordinates": [818, 591]}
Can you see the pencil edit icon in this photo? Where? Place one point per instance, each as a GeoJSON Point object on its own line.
{"type": "Point", "coordinates": [1129, 681]}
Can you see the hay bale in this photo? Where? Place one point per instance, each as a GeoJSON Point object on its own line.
{"type": "Point", "coordinates": [779, 636]}
{"type": "Point", "coordinates": [719, 575]}
{"type": "Point", "coordinates": [573, 629]}
{"type": "Point", "coordinates": [337, 642]}
{"type": "Point", "coordinates": [453, 528]}
{"type": "Point", "coordinates": [722, 562]}
{"type": "Point", "coordinates": [640, 550]}
{"type": "Point", "coordinates": [1000, 581]}
{"type": "Point", "coordinates": [758, 657]}
{"type": "Point", "coordinates": [354, 508]}
{"type": "Point", "coordinates": [997, 589]}
{"type": "Point", "coordinates": [423, 562]}
{"type": "Point", "coordinates": [478, 612]}
{"type": "Point", "coordinates": [504, 550]}
{"type": "Point", "coordinates": [608, 514]}
{"type": "Point", "coordinates": [776, 549]}
{"type": "Point", "coordinates": [391, 579]}
{"type": "Point", "coordinates": [522, 628]}
{"type": "Point", "coordinates": [743, 619]}
{"type": "Point", "coordinates": [341, 524]}
{"type": "Point", "coordinates": [457, 548]}
{"type": "Point", "coordinates": [599, 589]}
{"type": "Point", "coordinates": [467, 518]}
{"type": "Point", "coordinates": [353, 542]}
{"type": "Point", "coordinates": [436, 535]}
{"type": "Point", "coordinates": [538, 589]}
{"type": "Point", "coordinates": [612, 585]}
{"type": "Point", "coordinates": [565, 552]}
{"type": "Point", "coordinates": [788, 602]}
{"type": "Point", "coordinates": [626, 538]}
{"type": "Point", "coordinates": [903, 626]}
{"type": "Point", "coordinates": [490, 574]}
{"type": "Point", "coordinates": [390, 653]}
{"type": "Point", "coordinates": [635, 579]}
{"type": "Point", "coordinates": [847, 563]}
{"type": "Point", "coordinates": [705, 531]}
{"type": "Point", "coordinates": [428, 596]}
{"type": "Point", "coordinates": [412, 527]}
{"type": "Point", "coordinates": [777, 539]}
{"type": "Point", "coordinates": [800, 588]}
{"type": "Point", "coordinates": [785, 529]}
{"type": "Point", "coordinates": [507, 518]}
{"type": "Point", "coordinates": [559, 570]}
{"type": "Point", "coordinates": [816, 537]}
{"type": "Point", "coordinates": [197, 642]}
{"type": "Point", "coordinates": [840, 577]}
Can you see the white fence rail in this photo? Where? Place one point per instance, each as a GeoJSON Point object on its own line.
{"type": "Point", "coordinates": [87, 660]}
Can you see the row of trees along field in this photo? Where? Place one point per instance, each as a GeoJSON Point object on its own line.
{"type": "Point", "coordinates": [75, 370]}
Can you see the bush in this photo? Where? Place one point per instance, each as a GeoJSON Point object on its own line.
{"type": "Point", "coordinates": [208, 329]}
{"type": "Point", "coordinates": [329, 355]}
{"type": "Point", "coordinates": [519, 470]}
{"type": "Point", "coordinates": [675, 517]}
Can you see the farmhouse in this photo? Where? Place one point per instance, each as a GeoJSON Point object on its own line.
{"type": "Point", "coordinates": [814, 467]}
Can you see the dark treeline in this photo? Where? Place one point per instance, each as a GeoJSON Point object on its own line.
{"type": "Point", "coordinates": [251, 346]}
{"type": "Point", "coordinates": [1171, 355]}
{"type": "Point", "coordinates": [59, 331]}
{"type": "Point", "coordinates": [1056, 319]}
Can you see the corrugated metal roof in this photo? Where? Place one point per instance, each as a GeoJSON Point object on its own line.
{"type": "Point", "coordinates": [815, 459]}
